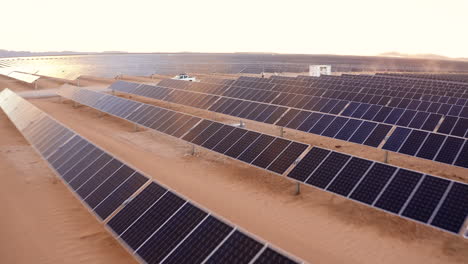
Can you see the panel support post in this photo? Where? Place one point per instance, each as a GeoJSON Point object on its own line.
{"type": "Point", "coordinates": [135, 128]}
{"type": "Point", "coordinates": [281, 131]}
{"type": "Point", "coordinates": [101, 114]}
{"type": "Point", "coordinates": [386, 157]}
{"type": "Point", "coordinates": [35, 84]}
{"type": "Point", "coordinates": [298, 189]}
{"type": "Point", "coordinates": [193, 150]}
{"type": "Point", "coordinates": [241, 124]}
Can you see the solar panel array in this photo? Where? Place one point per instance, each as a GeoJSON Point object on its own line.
{"type": "Point", "coordinates": [352, 129]}
{"type": "Point", "coordinates": [156, 224]}
{"type": "Point", "coordinates": [435, 201]}
{"type": "Point", "coordinates": [395, 190]}
{"type": "Point", "coordinates": [261, 150]}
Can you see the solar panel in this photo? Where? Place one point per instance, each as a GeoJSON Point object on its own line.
{"type": "Point", "coordinates": [322, 176]}
{"type": "Point", "coordinates": [345, 181]}
{"type": "Point", "coordinates": [238, 248]}
{"type": "Point", "coordinates": [453, 210]}
{"type": "Point", "coordinates": [373, 183]}
{"type": "Point", "coordinates": [413, 142]}
{"type": "Point", "coordinates": [270, 153]}
{"type": "Point", "coordinates": [308, 164]}
{"type": "Point", "coordinates": [256, 148]}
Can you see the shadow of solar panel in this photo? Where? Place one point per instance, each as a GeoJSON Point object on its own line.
{"type": "Point", "coordinates": [151, 220]}
{"type": "Point", "coordinates": [108, 186]}
{"type": "Point", "coordinates": [192, 134]}
{"type": "Point", "coordinates": [448, 152]}
{"type": "Point", "coordinates": [238, 248]}
{"type": "Point", "coordinates": [322, 124]}
{"type": "Point", "coordinates": [378, 135]}
{"type": "Point", "coordinates": [363, 132]}
{"type": "Point", "coordinates": [348, 129]}
{"type": "Point", "coordinates": [308, 164]}
{"type": "Point", "coordinates": [270, 256]}
{"type": "Point", "coordinates": [88, 172]}
{"type": "Point", "coordinates": [431, 146]}
{"type": "Point", "coordinates": [398, 190]}
{"type": "Point", "coordinates": [200, 243]}
{"type": "Point", "coordinates": [335, 126]}
{"type": "Point", "coordinates": [104, 173]}
{"type": "Point", "coordinates": [290, 115]}
{"type": "Point", "coordinates": [120, 195]}
{"type": "Point", "coordinates": [186, 127]}
{"type": "Point", "coordinates": [413, 142]}
{"type": "Point", "coordinates": [82, 164]}
{"type": "Point", "coordinates": [257, 147]}
{"type": "Point", "coordinates": [325, 173]}
{"type": "Point", "coordinates": [406, 118]}
{"type": "Point", "coordinates": [207, 133]}
{"type": "Point", "coordinates": [462, 159]}
{"type": "Point", "coordinates": [454, 210]}
{"type": "Point", "coordinates": [310, 122]}
{"type": "Point", "coordinates": [125, 217]}
{"type": "Point", "coordinates": [345, 181]}
{"type": "Point", "coordinates": [161, 243]}
{"type": "Point", "coordinates": [242, 144]}
{"type": "Point", "coordinates": [373, 183]}
{"type": "Point", "coordinates": [271, 152]}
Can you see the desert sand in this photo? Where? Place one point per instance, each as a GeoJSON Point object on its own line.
{"type": "Point", "coordinates": [43, 223]}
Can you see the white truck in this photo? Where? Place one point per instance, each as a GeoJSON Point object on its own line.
{"type": "Point", "coordinates": [184, 77]}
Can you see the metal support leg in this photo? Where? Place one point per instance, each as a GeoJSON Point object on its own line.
{"type": "Point", "coordinates": [135, 128]}
{"type": "Point", "coordinates": [101, 114]}
{"type": "Point", "coordinates": [281, 131]}
{"type": "Point", "coordinates": [193, 150]}
{"type": "Point", "coordinates": [386, 157]}
{"type": "Point", "coordinates": [298, 189]}
{"type": "Point", "coordinates": [241, 124]}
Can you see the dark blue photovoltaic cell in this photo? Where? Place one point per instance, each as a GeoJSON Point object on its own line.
{"type": "Point", "coordinates": [238, 248]}
{"type": "Point", "coordinates": [419, 120]}
{"type": "Point", "coordinates": [397, 138]}
{"type": "Point", "coordinates": [271, 152]}
{"type": "Point", "coordinates": [229, 140]}
{"type": "Point", "coordinates": [257, 147]}
{"type": "Point", "coordinates": [325, 173]}
{"type": "Point", "coordinates": [398, 191]}
{"type": "Point", "coordinates": [431, 146]}
{"type": "Point", "coordinates": [363, 132]}
{"type": "Point", "coordinates": [297, 121]}
{"type": "Point", "coordinates": [361, 110]}
{"type": "Point", "coordinates": [373, 183]}
{"type": "Point", "coordinates": [322, 124]}
{"type": "Point", "coordinates": [335, 126]}
{"type": "Point", "coordinates": [406, 118]}
{"type": "Point", "coordinates": [447, 125]}
{"type": "Point", "coordinates": [344, 183]}
{"type": "Point", "coordinates": [371, 112]}
{"type": "Point", "coordinates": [165, 239]}
{"type": "Point", "coordinates": [376, 137]}
{"type": "Point", "coordinates": [289, 155]}
{"type": "Point", "coordinates": [382, 115]}
{"type": "Point", "coordinates": [460, 127]}
{"type": "Point", "coordinates": [462, 159]}
{"type": "Point", "coordinates": [348, 130]}
{"type": "Point", "coordinates": [200, 243]}
{"type": "Point", "coordinates": [287, 117]}
{"type": "Point", "coordinates": [310, 122]}
{"type": "Point", "coordinates": [426, 198]}
{"type": "Point", "coordinates": [431, 122]}
{"type": "Point", "coordinates": [243, 143]}
{"type": "Point", "coordinates": [308, 164]}
{"type": "Point", "coordinates": [413, 142]}
{"type": "Point", "coordinates": [454, 210]}
{"type": "Point", "coordinates": [350, 109]}
{"type": "Point", "coordinates": [270, 256]}
{"type": "Point", "coordinates": [393, 117]}
{"type": "Point", "coordinates": [449, 150]}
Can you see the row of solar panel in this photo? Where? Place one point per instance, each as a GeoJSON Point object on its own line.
{"type": "Point", "coordinates": [427, 199]}
{"type": "Point", "coordinates": [343, 128]}
{"type": "Point", "coordinates": [365, 181]}
{"type": "Point", "coordinates": [158, 225]}
{"type": "Point", "coordinates": [452, 125]}
{"type": "Point", "coordinates": [260, 150]}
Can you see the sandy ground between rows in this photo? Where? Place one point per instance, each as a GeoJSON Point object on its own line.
{"type": "Point", "coordinates": [43, 223]}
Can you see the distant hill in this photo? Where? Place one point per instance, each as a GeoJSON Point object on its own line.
{"type": "Point", "coordinates": [419, 56]}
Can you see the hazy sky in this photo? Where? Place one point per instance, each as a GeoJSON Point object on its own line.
{"type": "Point", "coordinates": [359, 27]}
